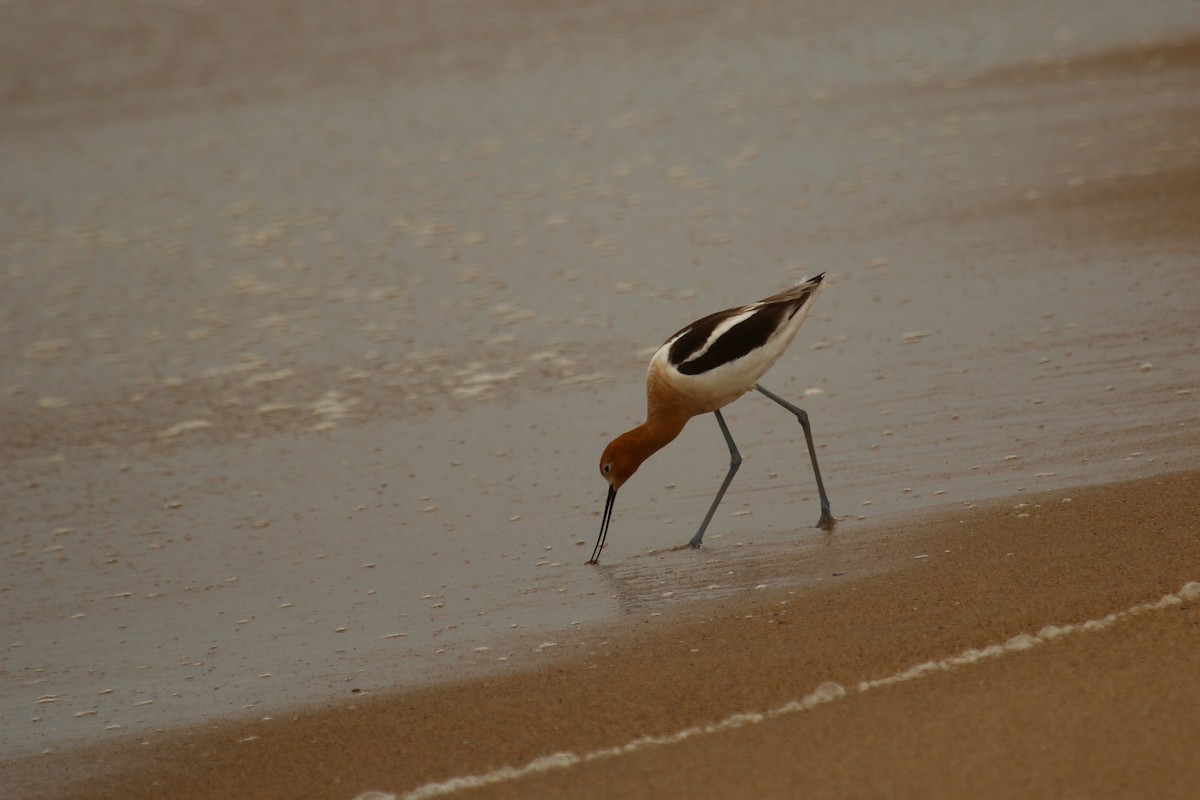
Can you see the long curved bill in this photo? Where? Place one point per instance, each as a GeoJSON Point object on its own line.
{"type": "Point", "coordinates": [608, 507]}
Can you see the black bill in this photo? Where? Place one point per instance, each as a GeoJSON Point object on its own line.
{"type": "Point", "coordinates": [608, 507]}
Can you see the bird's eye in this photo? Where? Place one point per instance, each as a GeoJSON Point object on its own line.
{"type": "Point", "coordinates": [607, 469]}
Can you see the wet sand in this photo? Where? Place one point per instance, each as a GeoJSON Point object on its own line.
{"type": "Point", "coordinates": [315, 323]}
{"type": "Point", "coordinates": [1111, 712]}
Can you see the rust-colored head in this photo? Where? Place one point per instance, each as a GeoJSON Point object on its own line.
{"type": "Point", "coordinates": [621, 459]}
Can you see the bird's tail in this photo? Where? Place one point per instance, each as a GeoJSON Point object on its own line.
{"type": "Point", "coordinates": [801, 292]}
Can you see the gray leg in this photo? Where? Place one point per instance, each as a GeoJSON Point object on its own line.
{"type": "Point", "coordinates": [735, 461]}
{"type": "Point", "coordinates": [827, 521]}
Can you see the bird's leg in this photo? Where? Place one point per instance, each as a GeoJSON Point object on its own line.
{"type": "Point", "coordinates": [827, 521]}
{"type": "Point", "coordinates": [735, 461]}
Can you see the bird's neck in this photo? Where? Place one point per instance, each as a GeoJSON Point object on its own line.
{"type": "Point", "coordinates": [654, 434]}
{"type": "Point", "coordinates": [664, 421]}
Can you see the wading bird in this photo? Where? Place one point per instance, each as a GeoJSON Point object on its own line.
{"type": "Point", "coordinates": [703, 368]}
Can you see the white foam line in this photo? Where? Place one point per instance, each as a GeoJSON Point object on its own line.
{"type": "Point", "coordinates": [1024, 641]}
{"type": "Point", "coordinates": [825, 693]}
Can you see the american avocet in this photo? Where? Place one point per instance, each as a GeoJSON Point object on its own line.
{"type": "Point", "coordinates": [703, 368]}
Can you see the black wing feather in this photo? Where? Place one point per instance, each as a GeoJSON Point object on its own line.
{"type": "Point", "coordinates": [740, 340]}
{"type": "Point", "coordinates": [693, 337]}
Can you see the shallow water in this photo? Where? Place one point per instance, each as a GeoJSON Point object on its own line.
{"type": "Point", "coordinates": [305, 380]}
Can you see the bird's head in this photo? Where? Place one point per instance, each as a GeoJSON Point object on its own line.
{"type": "Point", "coordinates": [620, 460]}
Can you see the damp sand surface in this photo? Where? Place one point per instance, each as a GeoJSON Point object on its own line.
{"type": "Point", "coordinates": [1013, 651]}
{"type": "Point", "coordinates": [311, 339]}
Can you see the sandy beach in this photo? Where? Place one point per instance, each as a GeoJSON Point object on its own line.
{"type": "Point", "coordinates": [316, 320]}
{"type": "Point", "coordinates": [1103, 710]}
